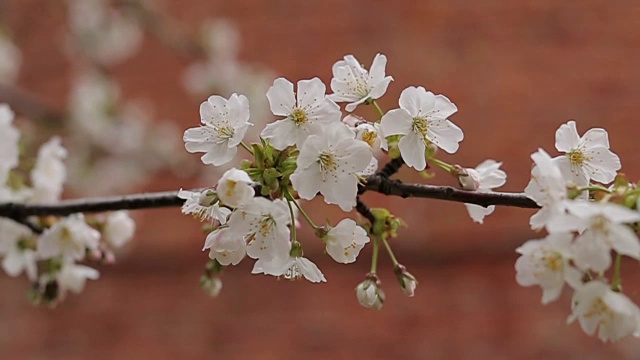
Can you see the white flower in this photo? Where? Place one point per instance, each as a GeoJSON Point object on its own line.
{"type": "Point", "coordinates": [422, 119]}
{"type": "Point", "coordinates": [10, 60]}
{"type": "Point", "coordinates": [119, 228]}
{"type": "Point", "coordinates": [489, 177]}
{"type": "Point", "coordinates": [587, 157]}
{"type": "Point", "coordinates": [69, 237]}
{"type": "Point", "coordinates": [547, 188]}
{"type": "Point", "coordinates": [345, 241]}
{"type": "Point", "coordinates": [9, 137]}
{"type": "Point", "coordinates": [354, 84]}
{"type": "Point", "coordinates": [49, 174]}
{"type": "Point", "coordinates": [290, 267]}
{"type": "Point", "coordinates": [306, 116]}
{"type": "Point", "coordinates": [546, 263]}
{"type": "Point", "coordinates": [370, 294]}
{"type": "Point", "coordinates": [225, 247]}
{"type": "Point", "coordinates": [604, 229]}
{"type": "Point", "coordinates": [17, 258]}
{"type": "Point", "coordinates": [328, 164]}
{"type": "Point", "coordinates": [200, 205]}
{"type": "Point", "coordinates": [234, 188]}
{"type": "Point", "coordinates": [264, 224]}
{"type": "Point", "coordinates": [371, 134]}
{"type": "Point", "coordinates": [596, 306]}
{"type": "Point", "coordinates": [224, 124]}
{"type": "Point", "coordinates": [73, 276]}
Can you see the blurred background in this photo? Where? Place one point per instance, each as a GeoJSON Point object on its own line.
{"type": "Point", "coordinates": [121, 80]}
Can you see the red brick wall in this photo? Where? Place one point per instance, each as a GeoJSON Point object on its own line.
{"type": "Point", "coordinates": [516, 70]}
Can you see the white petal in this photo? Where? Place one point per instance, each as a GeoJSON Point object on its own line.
{"type": "Point", "coordinates": [624, 241]}
{"type": "Point", "coordinates": [416, 100]}
{"type": "Point", "coordinates": [281, 98]}
{"type": "Point", "coordinates": [279, 133]}
{"type": "Point", "coordinates": [445, 134]}
{"type": "Point", "coordinates": [396, 122]}
{"type": "Point", "coordinates": [443, 107]}
{"type": "Point", "coordinates": [310, 92]}
{"type": "Point", "coordinates": [602, 165]}
{"type": "Point", "coordinates": [478, 212]}
{"type": "Point", "coordinates": [567, 137]}
{"type": "Point", "coordinates": [596, 138]}
{"type": "Point", "coordinates": [341, 191]}
{"type": "Point", "coordinates": [412, 149]}
{"type": "Point", "coordinates": [307, 182]}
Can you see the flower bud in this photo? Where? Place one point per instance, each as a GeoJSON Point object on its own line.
{"type": "Point", "coordinates": [369, 293]}
{"type": "Point", "coordinates": [119, 228]}
{"type": "Point", "coordinates": [469, 179]}
{"type": "Point", "coordinates": [211, 286]}
{"type": "Point", "coordinates": [234, 188]}
{"type": "Point", "coordinates": [207, 198]}
{"type": "Point", "coordinates": [407, 281]}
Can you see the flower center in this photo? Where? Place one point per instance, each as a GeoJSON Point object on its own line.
{"type": "Point", "coordinates": [369, 137]}
{"type": "Point", "coordinates": [552, 261]}
{"type": "Point", "coordinates": [600, 309]}
{"type": "Point", "coordinates": [327, 162]}
{"type": "Point", "coordinates": [299, 116]}
{"type": "Point", "coordinates": [420, 126]}
{"type": "Point", "coordinates": [266, 224]}
{"type": "Point", "coordinates": [577, 157]}
{"type": "Point", "coordinates": [231, 187]}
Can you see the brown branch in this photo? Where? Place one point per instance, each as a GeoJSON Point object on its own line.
{"type": "Point", "coordinates": [170, 199]}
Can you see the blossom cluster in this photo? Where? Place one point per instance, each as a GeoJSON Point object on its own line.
{"type": "Point", "coordinates": [49, 250]}
{"type": "Point", "coordinates": [312, 148]}
{"type": "Point", "coordinates": [588, 211]}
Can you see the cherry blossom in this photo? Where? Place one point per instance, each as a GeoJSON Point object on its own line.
{"type": "Point", "coordinates": [488, 176]}
{"type": "Point", "coordinates": [9, 137]}
{"type": "Point", "coordinates": [291, 268]}
{"type": "Point", "coordinates": [345, 240]}
{"type": "Point", "coordinates": [118, 229]}
{"type": "Point", "coordinates": [264, 224]}
{"type": "Point", "coordinates": [17, 258]}
{"type": "Point", "coordinates": [328, 164]}
{"type": "Point", "coordinates": [547, 188]}
{"type": "Point", "coordinates": [422, 120]}
{"type": "Point", "coordinates": [611, 313]}
{"type": "Point", "coordinates": [49, 174]}
{"type": "Point", "coordinates": [370, 294]}
{"type": "Point", "coordinates": [546, 263]}
{"type": "Point", "coordinates": [352, 83]}
{"type": "Point", "coordinates": [224, 124]}
{"type": "Point", "coordinates": [73, 276]}
{"type": "Point", "coordinates": [225, 247]}
{"type": "Point", "coordinates": [201, 204]}
{"type": "Point", "coordinates": [234, 188]}
{"type": "Point", "coordinates": [587, 157]}
{"type": "Point", "coordinates": [69, 237]}
{"type": "Point", "coordinates": [305, 114]}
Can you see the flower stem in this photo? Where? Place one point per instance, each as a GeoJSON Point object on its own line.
{"type": "Point", "coordinates": [246, 147]}
{"type": "Point", "coordinates": [616, 286]}
{"type": "Point", "coordinates": [374, 258]}
{"type": "Point", "coordinates": [304, 214]}
{"type": "Point", "coordinates": [595, 188]}
{"type": "Point", "coordinates": [293, 222]}
{"type": "Point", "coordinates": [443, 165]}
{"type": "Point", "coordinates": [389, 251]}
{"type": "Point", "coordinates": [375, 104]}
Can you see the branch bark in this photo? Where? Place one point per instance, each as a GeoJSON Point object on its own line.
{"type": "Point", "coordinates": [374, 183]}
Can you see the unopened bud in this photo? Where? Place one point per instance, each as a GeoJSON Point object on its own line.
{"type": "Point", "coordinates": [469, 179]}
{"type": "Point", "coordinates": [207, 197]}
{"type": "Point", "coordinates": [211, 286]}
{"type": "Point", "coordinates": [407, 281]}
{"type": "Point", "coordinates": [369, 293]}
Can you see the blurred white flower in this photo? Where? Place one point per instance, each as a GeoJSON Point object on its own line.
{"type": "Point", "coordinates": [304, 117]}
{"type": "Point", "coordinates": [9, 137]}
{"type": "Point", "coordinates": [370, 294]}
{"type": "Point", "coordinates": [422, 120]}
{"type": "Point", "coordinates": [546, 263]}
{"type": "Point", "coordinates": [119, 228]}
{"type": "Point", "coordinates": [10, 60]}
{"type": "Point", "coordinates": [586, 158]}
{"type": "Point", "coordinates": [73, 276]}
{"type": "Point", "coordinates": [611, 313]}
{"type": "Point", "coordinates": [16, 257]}
{"type": "Point", "coordinates": [70, 237]}
{"type": "Point", "coordinates": [352, 83]}
{"type": "Point", "coordinates": [49, 174]}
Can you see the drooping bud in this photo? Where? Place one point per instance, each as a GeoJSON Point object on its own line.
{"type": "Point", "coordinates": [207, 198]}
{"type": "Point", "coordinates": [234, 188]}
{"type": "Point", "coordinates": [469, 179]}
{"type": "Point", "coordinates": [369, 293]}
{"type": "Point", "coordinates": [407, 281]}
{"type": "Point", "coordinates": [211, 286]}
